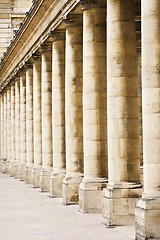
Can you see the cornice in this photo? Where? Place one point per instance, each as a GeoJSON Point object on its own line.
{"type": "Point", "coordinates": [23, 46]}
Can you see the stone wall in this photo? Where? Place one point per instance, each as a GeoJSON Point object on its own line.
{"type": "Point", "coordinates": [12, 13]}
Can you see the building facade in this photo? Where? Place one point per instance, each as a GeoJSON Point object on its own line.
{"type": "Point", "coordinates": [73, 83]}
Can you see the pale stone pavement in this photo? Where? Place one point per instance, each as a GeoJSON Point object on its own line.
{"type": "Point", "coordinates": [27, 214]}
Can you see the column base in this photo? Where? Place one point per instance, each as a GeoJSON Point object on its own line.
{"type": "Point", "coordinates": [141, 175]}
{"type": "Point", "coordinates": [3, 167]}
{"type": "Point", "coordinates": [16, 169]}
{"type": "Point", "coordinates": [119, 203]}
{"type": "Point", "coordinates": [70, 189]}
{"type": "Point", "coordinates": [90, 195]}
{"type": "Point", "coordinates": [147, 215]}
{"type": "Point", "coordinates": [56, 183]}
{"type": "Point", "coordinates": [28, 174]}
{"type": "Point", "coordinates": [22, 171]}
{"type": "Point", "coordinates": [36, 177]}
{"type": "Point", "coordinates": [8, 167]}
{"type": "Point", "coordinates": [45, 175]}
{"type": "Point", "coordinates": [12, 169]}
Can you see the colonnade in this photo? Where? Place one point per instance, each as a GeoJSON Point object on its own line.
{"type": "Point", "coordinates": [70, 117]}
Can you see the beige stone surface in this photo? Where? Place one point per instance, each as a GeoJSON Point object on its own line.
{"type": "Point", "coordinates": [35, 175]}
{"type": "Point", "coordinates": [29, 124]}
{"type": "Point", "coordinates": [37, 121]}
{"type": "Point", "coordinates": [60, 119]}
{"type": "Point", "coordinates": [8, 129]}
{"type": "Point", "coordinates": [123, 115]}
{"type": "Point", "coordinates": [17, 126]}
{"type": "Point", "coordinates": [58, 113]}
{"type": "Point", "coordinates": [94, 108]}
{"type": "Point", "coordinates": [5, 126]}
{"type": "Point", "coordinates": [23, 156]}
{"type": "Point", "coordinates": [122, 90]}
{"type": "Point", "coordinates": [47, 157]}
{"type": "Point", "coordinates": [148, 207]}
{"type": "Point", "coordinates": [37, 118]}
{"type": "Point", "coordinates": [2, 126]}
{"type": "Point", "coordinates": [73, 109]}
{"type": "Point", "coordinates": [13, 129]}
{"type": "Point", "coordinates": [28, 214]}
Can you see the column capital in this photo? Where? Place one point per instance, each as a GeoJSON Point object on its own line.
{"type": "Point", "coordinates": [36, 56]}
{"type": "Point", "coordinates": [17, 77]}
{"type": "Point", "coordinates": [29, 64]}
{"type": "Point", "coordinates": [57, 35]}
{"type": "Point", "coordinates": [73, 19]}
{"type": "Point", "coordinates": [89, 4]}
{"type": "Point", "coordinates": [46, 46]}
{"type": "Point", "coordinates": [22, 70]}
{"type": "Point", "coordinates": [13, 81]}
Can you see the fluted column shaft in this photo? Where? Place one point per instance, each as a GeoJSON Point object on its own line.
{"type": "Point", "coordinates": [17, 127]}
{"type": "Point", "coordinates": [58, 113]}
{"type": "Point", "coordinates": [148, 208]}
{"type": "Point", "coordinates": [73, 109]}
{"type": "Point", "coordinates": [13, 129]}
{"type": "Point", "coordinates": [23, 155]}
{"type": "Point", "coordinates": [29, 123]}
{"type": "Point", "coordinates": [37, 121]}
{"type": "Point", "coordinates": [47, 158]}
{"type": "Point", "coordinates": [94, 107]}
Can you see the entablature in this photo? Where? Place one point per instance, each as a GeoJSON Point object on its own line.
{"type": "Point", "coordinates": [43, 17]}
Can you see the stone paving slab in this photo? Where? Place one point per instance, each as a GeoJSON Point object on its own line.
{"type": "Point", "coordinates": [27, 214]}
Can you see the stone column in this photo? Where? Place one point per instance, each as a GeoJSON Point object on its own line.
{"type": "Point", "coordinates": [0, 131]}
{"type": "Point", "coordinates": [47, 158]}
{"type": "Point", "coordinates": [23, 155]}
{"type": "Point", "coordinates": [94, 107]}
{"type": "Point", "coordinates": [2, 126]}
{"type": "Point", "coordinates": [124, 186]}
{"type": "Point", "coordinates": [17, 127]}
{"type": "Point", "coordinates": [37, 121]}
{"type": "Point", "coordinates": [2, 165]}
{"type": "Point", "coordinates": [73, 109]}
{"type": "Point", "coordinates": [8, 129]}
{"type": "Point", "coordinates": [5, 131]}
{"type": "Point", "coordinates": [148, 207]}
{"type": "Point", "coordinates": [29, 123]}
{"type": "Point", "coordinates": [58, 113]}
{"type": "Point", "coordinates": [13, 129]}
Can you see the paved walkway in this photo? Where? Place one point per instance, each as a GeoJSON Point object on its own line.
{"type": "Point", "coordinates": [27, 214]}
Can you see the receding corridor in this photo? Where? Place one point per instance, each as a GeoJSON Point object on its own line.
{"type": "Point", "coordinates": [27, 214]}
